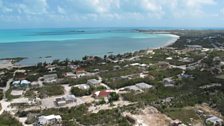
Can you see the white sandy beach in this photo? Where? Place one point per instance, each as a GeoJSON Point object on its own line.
{"type": "Point", "coordinates": [5, 64]}
{"type": "Point", "coordinates": [173, 40]}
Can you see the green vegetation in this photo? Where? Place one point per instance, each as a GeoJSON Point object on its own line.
{"type": "Point", "coordinates": [9, 96]}
{"type": "Point", "coordinates": [50, 90]}
{"type": "Point", "coordinates": [80, 115]}
{"type": "Point", "coordinates": [183, 114]}
{"type": "Point", "coordinates": [33, 77]}
{"type": "Point", "coordinates": [113, 97]}
{"type": "Point", "coordinates": [81, 80]}
{"type": "Point", "coordinates": [80, 92]}
{"type": "Point", "coordinates": [7, 120]}
{"type": "Point", "coordinates": [118, 73]}
{"type": "Point", "coordinates": [5, 77]}
{"type": "Point", "coordinates": [1, 94]}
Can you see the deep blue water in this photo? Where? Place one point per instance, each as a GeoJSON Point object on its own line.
{"type": "Point", "coordinates": [74, 43]}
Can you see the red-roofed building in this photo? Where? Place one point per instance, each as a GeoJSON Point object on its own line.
{"type": "Point", "coordinates": [102, 94]}
{"type": "Point", "coordinates": [80, 70]}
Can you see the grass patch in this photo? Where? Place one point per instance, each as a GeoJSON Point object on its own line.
{"type": "Point", "coordinates": [7, 120]}
{"type": "Point", "coordinates": [220, 76]}
{"type": "Point", "coordinates": [50, 90]}
{"type": "Point", "coordinates": [182, 114]}
{"type": "Point", "coordinates": [9, 96]}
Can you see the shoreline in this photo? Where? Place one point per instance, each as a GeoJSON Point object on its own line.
{"type": "Point", "coordinates": [9, 63]}
{"type": "Point", "coordinates": [171, 42]}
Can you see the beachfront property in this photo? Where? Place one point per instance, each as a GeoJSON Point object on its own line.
{"type": "Point", "coordinates": [19, 75]}
{"type": "Point", "coordinates": [50, 78]}
{"type": "Point", "coordinates": [50, 120]}
{"type": "Point", "coordinates": [51, 68]}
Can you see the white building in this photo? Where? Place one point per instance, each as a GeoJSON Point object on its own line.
{"type": "Point", "coordinates": [50, 78]}
{"type": "Point", "coordinates": [216, 121]}
{"type": "Point", "coordinates": [168, 82]}
{"type": "Point", "coordinates": [93, 82]}
{"type": "Point", "coordinates": [83, 86]}
{"type": "Point", "coordinates": [49, 120]}
{"type": "Point", "coordinates": [143, 86]}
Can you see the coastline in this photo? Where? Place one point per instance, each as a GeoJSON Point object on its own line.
{"type": "Point", "coordinates": [171, 42]}
{"type": "Point", "coordinates": [9, 63]}
{"type": "Point", "coordinates": [168, 43]}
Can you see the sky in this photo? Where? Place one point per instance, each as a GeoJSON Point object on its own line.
{"type": "Point", "coordinates": [111, 13]}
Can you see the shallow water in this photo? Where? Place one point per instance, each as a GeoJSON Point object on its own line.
{"type": "Point", "coordinates": [36, 44]}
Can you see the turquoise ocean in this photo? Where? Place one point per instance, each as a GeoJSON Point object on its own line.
{"type": "Point", "coordinates": [74, 43]}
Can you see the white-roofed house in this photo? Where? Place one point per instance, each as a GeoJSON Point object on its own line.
{"type": "Point", "coordinates": [215, 121]}
{"type": "Point", "coordinates": [93, 82]}
{"type": "Point", "coordinates": [50, 78]}
{"type": "Point", "coordinates": [21, 84]}
{"type": "Point", "coordinates": [143, 86]}
{"type": "Point", "coordinates": [168, 82]}
{"type": "Point", "coordinates": [65, 100]}
{"type": "Point", "coordinates": [54, 120]}
{"type": "Point", "coordinates": [83, 86]}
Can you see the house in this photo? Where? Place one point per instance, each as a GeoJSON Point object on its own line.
{"type": "Point", "coordinates": [186, 59]}
{"type": "Point", "coordinates": [70, 74]}
{"type": "Point", "coordinates": [21, 84]}
{"type": "Point", "coordinates": [143, 75]}
{"type": "Point", "coordinates": [177, 123]}
{"type": "Point", "coordinates": [83, 86]}
{"type": "Point", "coordinates": [80, 71]}
{"type": "Point", "coordinates": [65, 100]}
{"type": "Point", "coordinates": [50, 78]}
{"type": "Point", "coordinates": [212, 85]}
{"type": "Point", "coordinates": [51, 68]}
{"type": "Point", "coordinates": [27, 101]}
{"type": "Point", "coordinates": [163, 65]}
{"type": "Point", "coordinates": [131, 88]}
{"type": "Point", "coordinates": [143, 86]}
{"type": "Point", "coordinates": [169, 58]}
{"type": "Point", "coordinates": [17, 93]}
{"type": "Point", "coordinates": [168, 82]}
{"type": "Point", "coordinates": [215, 121]}
{"type": "Point", "coordinates": [102, 94]}
{"type": "Point", "coordinates": [93, 82]}
{"type": "Point", "coordinates": [49, 120]}
{"type": "Point", "coordinates": [194, 47]}
{"type": "Point", "coordinates": [184, 76]}
{"type": "Point", "coordinates": [20, 75]}
{"type": "Point", "coordinates": [116, 67]}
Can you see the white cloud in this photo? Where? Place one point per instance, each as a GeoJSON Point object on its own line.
{"type": "Point", "coordinates": [61, 10]}
{"type": "Point", "coordinates": [32, 7]}
{"type": "Point", "coordinates": [199, 3]}
{"type": "Point", "coordinates": [3, 8]}
{"type": "Point", "coordinates": [107, 10]}
{"type": "Point", "coordinates": [222, 11]}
